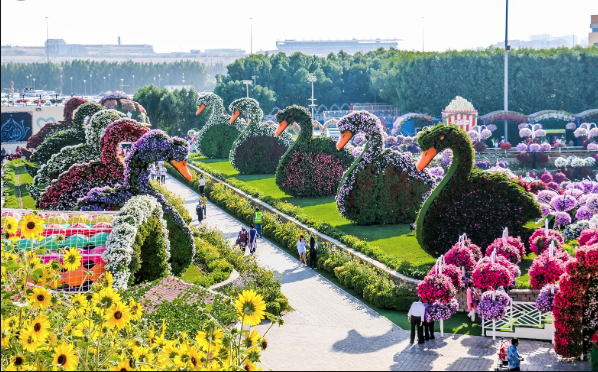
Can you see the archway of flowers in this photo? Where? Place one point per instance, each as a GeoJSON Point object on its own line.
{"type": "Point", "coordinates": [587, 115]}
{"type": "Point", "coordinates": [398, 124]}
{"type": "Point", "coordinates": [494, 116]}
{"type": "Point", "coordinates": [575, 304]}
{"type": "Point", "coordinates": [551, 114]}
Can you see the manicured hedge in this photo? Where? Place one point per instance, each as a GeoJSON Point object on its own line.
{"type": "Point", "coordinates": [218, 140]}
{"type": "Point", "coordinates": [149, 250]}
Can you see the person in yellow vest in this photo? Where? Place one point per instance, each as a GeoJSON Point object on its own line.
{"type": "Point", "coordinates": [257, 221]}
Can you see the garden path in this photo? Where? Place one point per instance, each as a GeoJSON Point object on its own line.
{"type": "Point", "coordinates": [331, 330]}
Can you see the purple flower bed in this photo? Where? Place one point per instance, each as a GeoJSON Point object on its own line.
{"type": "Point", "coordinates": [545, 301]}
{"type": "Point", "coordinates": [496, 309]}
{"type": "Point", "coordinates": [438, 311]}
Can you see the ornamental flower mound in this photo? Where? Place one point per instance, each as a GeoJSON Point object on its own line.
{"type": "Point", "coordinates": [511, 252]}
{"type": "Point", "coordinates": [588, 237]}
{"type": "Point", "coordinates": [547, 270]}
{"type": "Point", "coordinates": [460, 256]}
{"type": "Point", "coordinates": [539, 241]}
{"type": "Point", "coordinates": [436, 288]}
{"type": "Point", "coordinates": [488, 276]}
{"type": "Point", "coordinates": [452, 272]}
{"type": "Point", "coordinates": [545, 301]}
{"type": "Point", "coordinates": [438, 311]}
{"type": "Point", "coordinates": [312, 175]}
{"type": "Point", "coordinates": [493, 309]}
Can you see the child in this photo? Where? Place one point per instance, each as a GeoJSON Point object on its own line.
{"type": "Point", "coordinates": [243, 239]}
{"type": "Point", "coordinates": [204, 200]}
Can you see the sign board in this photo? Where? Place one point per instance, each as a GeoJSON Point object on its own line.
{"type": "Point", "coordinates": [16, 126]}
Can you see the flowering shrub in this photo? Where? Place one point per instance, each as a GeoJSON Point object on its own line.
{"type": "Point", "coordinates": [505, 146]}
{"type": "Point", "coordinates": [50, 128]}
{"type": "Point", "coordinates": [493, 309]}
{"type": "Point", "coordinates": [382, 186]}
{"type": "Point", "coordinates": [488, 276]}
{"type": "Point", "coordinates": [438, 311]}
{"type": "Point", "coordinates": [460, 256]}
{"type": "Point", "coordinates": [453, 272]}
{"type": "Point", "coordinates": [121, 102]}
{"type": "Point", "coordinates": [573, 231]}
{"type": "Point", "coordinates": [541, 239]}
{"type": "Point", "coordinates": [312, 166]}
{"type": "Point", "coordinates": [588, 237]}
{"type": "Point", "coordinates": [257, 150]}
{"type": "Point", "coordinates": [216, 138]}
{"type": "Point", "coordinates": [436, 288]}
{"type": "Point", "coordinates": [545, 301]}
{"type": "Point", "coordinates": [508, 251]}
{"type": "Point", "coordinates": [546, 269]}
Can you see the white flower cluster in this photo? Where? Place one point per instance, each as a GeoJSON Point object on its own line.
{"type": "Point", "coordinates": [550, 114]}
{"type": "Point", "coordinates": [574, 162]}
{"type": "Point", "coordinates": [459, 104]}
{"type": "Point", "coordinates": [119, 245]}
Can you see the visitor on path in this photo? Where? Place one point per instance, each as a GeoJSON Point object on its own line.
{"type": "Point", "coordinates": [152, 169]}
{"type": "Point", "coordinates": [252, 239]}
{"type": "Point", "coordinates": [202, 184]}
{"type": "Point", "coordinates": [513, 356]}
{"type": "Point", "coordinates": [472, 304]}
{"type": "Point", "coordinates": [428, 326]}
{"type": "Point", "coordinates": [257, 220]}
{"type": "Point", "coordinates": [243, 239]}
{"type": "Point", "coordinates": [199, 211]}
{"type": "Point", "coordinates": [162, 174]}
{"type": "Point", "coordinates": [301, 249]}
{"type": "Point", "coordinates": [415, 317]}
{"type": "Point", "coordinates": [594, 351]}
{"type": "Point", "coordinates": [3, 154]}
{"type": "Point", "coordinates": [204, 200]}
{"type": "Point", "coordinates": [313, 253]}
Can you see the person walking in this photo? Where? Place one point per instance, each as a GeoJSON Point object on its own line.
{"type": "Point", "coordinates": [301, 249]}
{"type": "Point", "coordinates": [428, 325]}
{"type": "Point", "coordinates": [252, 239]}
{"type": "Point", "coordinates": [513, 356]}
{"type": "Point", "coordinates": [313, 253]}
{"type": "Point", "coordinates": [243, 239]}
{"type": "Point", "coordinates": [202, 184]}
{"type": "Point", "coordinates": [594, 351]}
{"type": "Point", "coordinates": [152, 169]}
{"type": "Point", "coordinates": [472, 304]}
{"type": "Point", "coordinates": [416, 318]}
{"type": "Point", "coordinates": [199, 211]}
{"type": "Point", "coordinates": [162, 173]}
{"type": "Point", "coordinates": [3, 154]}
{"type": "Point", "coordinates": [257, 220]}
{"type": "Point", "coordinates": [204, 200]}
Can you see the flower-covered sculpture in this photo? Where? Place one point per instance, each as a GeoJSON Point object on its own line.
{"type": "Point", "coordinates": [382, 186]}
{"type": "Point", "coordinates": [152, 147]}
{"type": "Point", "coordinates": [453, 273]}
{"type": "Point", "coordinates": [82, 153]}
{"type": "Point", "coordinates": [467, 200]}
{"type": "Point", "coordinates": [257, 150]}
{"type": "Point", "coordinates": [488, 276]}
{"type": "Point", "coordinates": [493, 305]}
{"type": "Point", "coordinates": [64, 192]}
{"type": "Point", "coordinates": [508, 251]}
{"type": "Point", "coordinates": [121, 102]}
{"type": "Point", "coordinates": [460, 256]}
{"type": "Point", "coordinates": [216, 138]}
{"type": "Point", "coordinates": [311, 166]}
{"type": "Point", "coordinates": [50, 128]}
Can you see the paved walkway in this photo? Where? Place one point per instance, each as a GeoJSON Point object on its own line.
{"type": "Point", "coordinates": [332, 330]}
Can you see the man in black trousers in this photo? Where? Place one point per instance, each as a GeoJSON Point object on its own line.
{"type": "Point", "coordinates": [428, 326]}
{"type": "Point", "coordinates": [416, 317]}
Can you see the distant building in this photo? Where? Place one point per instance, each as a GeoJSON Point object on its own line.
{"type": "Point", "coordinates": [172, 88]}
{"type": "Point", "coordinates": [593, 36]}
{"type": "Point", "coordinates": [545, 41]}
{"type": "Point", "coordinates": [219, 53]}
{"type": "Point", "coordinates": [60, 47]}
{"type": "Point", "coordinates": [325, 47]}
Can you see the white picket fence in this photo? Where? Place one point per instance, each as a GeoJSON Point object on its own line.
{"type": "Point", "coordinates": [523, 320]}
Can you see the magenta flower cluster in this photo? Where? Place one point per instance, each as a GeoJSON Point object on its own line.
{"type": "Point", "coordinates": [541, 239]}
{"type": "Point", "coordinates": [436, 288]}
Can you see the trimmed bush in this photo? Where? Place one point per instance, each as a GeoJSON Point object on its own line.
{"type": "Point", "coordinates": [150, 260]}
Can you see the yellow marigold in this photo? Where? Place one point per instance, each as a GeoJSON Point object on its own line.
{"type": "Point", "coordinates": [251, 308]}
{"type": "Point", "coordinates": [31, 226]}
{"type": "Point", "coordinates": [122, 366]}
{"type": "Point", "coordinates": [40, 297]}
{"type": "Point", "coordinates": [72, 259]}
{"type": "Point", "coordinates": [27, 340]}
{"type": "Point", "coordinates": [65, 356]}
{"type": "Point", "coordinates": [119, 316]}
{"type": "Point", "coordinates": [10, 225]}
{"type": "Point", "coordinates": [41, 328]}
{"type": "Point", "coordinates": [106, 298]}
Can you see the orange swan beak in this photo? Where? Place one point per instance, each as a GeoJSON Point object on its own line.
{"type": "Point", "coordinates": [426, 158]}
{"type": "Point", "coordinates": [181, 166]}
{"type": "Point", "coordinates": [281, 127]}
{"type": "Point", "coordinates": [200, 109]}
{"type": "Point", "coordinates": [235, 116]}
{"type": "Point", "coordinates": [345, 138]}
{"type": "Point", "coordinates": [147, 125]}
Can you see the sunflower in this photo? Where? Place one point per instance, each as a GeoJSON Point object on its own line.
{"type": "Point", "coordinates": [28, 341]}
{"type": "Point", "coordinates": [108, 278]}
{"type": "Point", "coordinates": [65, 356]}
{"type": "Point", "coordinates": [80, 300]}
{"type": "Point", "coordinates": [10, 225]}
{"type": "Point", "coordinates": [106, 298]}
{"type": "Point", "coordinates": [19, 361]}
{"type": "Point", "coordinates": [252, 367]}
{"type": "Point", "coordinates": [31, 226]}
{"type": "Point", "coordinates": [122, 366]}
{"type": "Point", "coordinates": [40, 297]}
{"type": "Point", "coordinates": [143, 354]}
{"type": "Point", "coordinates": [5, 335]}
{"type": "Point", "coordinates": [41, 328]}
{"type": "Point", "coordinates": [119, 315]}
{"type": "Point", "coordinates": [72, 259]}
{"type": "Point", "coordinates": [211, 340]}
{"type": "Point", "coordinates": [251, 339]}
{"type": "Point", "coordinates": [136, 309]}
{"type": "Point", "coordinates": [251, 308]}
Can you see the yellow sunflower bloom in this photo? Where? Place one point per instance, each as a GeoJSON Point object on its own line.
{"type": "Point", "coordinates": [19, 361]}
{"type": "Point", "coordinates": [119, 316]}
{"type": "Point", "coordinates": [206, 340]}
{"type": "Point", "coordinates": [251, 308]}
{"type": "Point", "coordinates": [195, 358]}
{"type": "Point", "coordinates": [41, 328]}
{"type": "Point", "coordinates": [80, 300]}
{"type": "Point", "coordinates": [31, 226]}
{"type": "Point", "coordinates": [136, 309]}
{"type": "Point", "coordinates": [5, 336]}
{"type": "Point", "coordinates": [143, 354]}
{"type": "Point", "coordinates": [252, 367]}
{"type": "Point", "coordinates": [72, 259]}
{"type": "Point", "coordinates": [109, 278]}
{"type": "Point", "coordinates": [251, 339]}
{"type": "Point", "coordinates": [65, 356]}
{"type": "Point", "coordinates": [106, 298]}
{"type": "Point", "coordinates": [10, 225]}
{"type": "Point", "coordinates": [122, 366]}
{"type": "Point", "coordinates": [40, 297]}
{"type": "Point", "coordinates": [27, 340]}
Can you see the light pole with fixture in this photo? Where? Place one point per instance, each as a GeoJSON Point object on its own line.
{"type": "Point", "coordinates": [109, 82]}
{"type": "Point", "coordinates": [33, 83]}
{"type": "Point", "coordinates": [133, 84]}
{"type": "Point", "coordinates": [84, 87]}
{"type": "Point", "coordinates": [104, 86]}
{"type": "Point", "coordinates": [507, 47]}
{"type": "Point", "coordinates": [247, 84]}
{"type": "Point", "coordinates": [159, 85]}
{"type": "Point", "coordinates": [312, 79]}
{"type": "Point", "coordinates": [72, 86]}
{"type": "Point", "coordinates": [90, 86]}
{"type": "Point", "coordinates": [60, 84]}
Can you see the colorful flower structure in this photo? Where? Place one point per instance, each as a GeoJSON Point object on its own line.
{"type": "Point", "coordinates": [460, 256]}
{"type": "Point", "coordinates": [121, 102]}
{"type": "Point", "coordinates": [452, 272]}
{"type": "Point", "coordinates": [511, 248]}
{"type": "Point", "coordinates": [493, 305]}
{"type": "Point", "coordinates": [64, 192]}
{"type": "Point", "coordinates": [489, 276]}
{"type": "Point", "coordinates": [50, 128]}
{"type": "Point", "coordinates": [257, 150]}
{"type": "Point", "coordinates": [541, 239]}
{"type": "Point", "coordinates": [382, 186]}
{"type": "Point", "coordinates": [436, 288]}
{"type": "Point", "coordinates": [547, 269]}
{"type": "Point", "coordinates": [545, 301]}
{"type": "Point", "coordinates": [439, 311]}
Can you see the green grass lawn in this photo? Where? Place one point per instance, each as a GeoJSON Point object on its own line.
{"type": "Point", "coordinates": [396, 240]}
{"type": "Point", "coordinates": [191, 274]}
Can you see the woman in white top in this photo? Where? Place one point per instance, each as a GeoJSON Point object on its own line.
{"type": "Point", "coordinates": [152, 169]}
{"type": "Point", "coordinates": [301, 249]}
{"type": "Point", "coordinates": [202, 184]}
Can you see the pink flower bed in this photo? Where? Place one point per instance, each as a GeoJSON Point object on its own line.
{"type": "Point", "coordinates": [539, 241]}
{"type": "Point", "coordinates": [452, 272]}
{"type": "Point", "coordinates": [489, 276]}
{"type": "Point", "coordinates": [436, 288]}
{"type": "Point", "coordinates": [546, 269]}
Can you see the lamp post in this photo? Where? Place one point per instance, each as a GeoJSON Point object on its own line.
{"type": "Point", "coordinates": [27, 80]}
{"type": "Point", "coordinates": [47, 39]}
{"type": "Point", "coordinates": [133, 84]}
{"type": "Point", "coordinates": [104, 86]}
{"type": "Point", "coordinates": [84, 87]}
{"type": "Point", "coordinates": [33, 83]}
{"type": "Point", "coordinates": [60, 85]}
{"type": "Point", "coordinates": [90, 86]}
{"type": "Point", "coordinates": [72, 86]}
{"type": "Point", "coordinates": [247, 84]}
{"type": "Point", "coordinates": [507, 47]}
{"type": "Point", "coordinates": [312, 79]}
{"type": "Point", "coordinates": [183, 78]}
{"type": "Point", "coordinates": [251, 35]}
{"type": "Point", "coordinates": [159, 81]}
{"type": "Point", "coordinates": [121, 84]}
{"type": "Point", "coordinates": [109, 82]}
